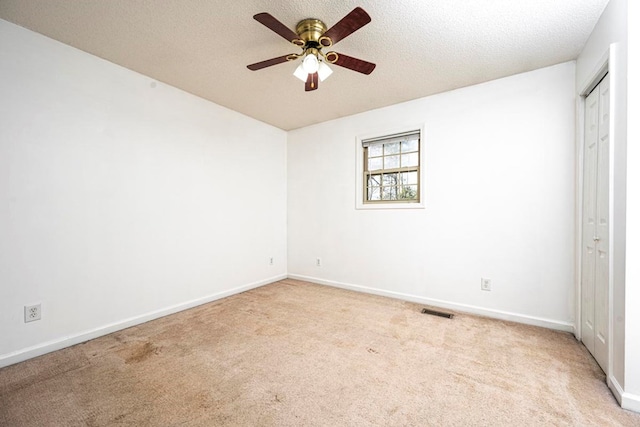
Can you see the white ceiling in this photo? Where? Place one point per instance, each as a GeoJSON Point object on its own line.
{"type": "Point", "coordinates": [421, 47]}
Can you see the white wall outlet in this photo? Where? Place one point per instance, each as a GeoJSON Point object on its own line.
{"type": "Point", "coordinates": [32, 313]}
{"type": "Point", "coordinates": [485, 284]}
{"type": "Point", "coordinates": [318, 262]}
{"type": "Point", "coordinates": [271, 261]}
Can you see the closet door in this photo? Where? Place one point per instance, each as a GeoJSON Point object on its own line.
{"type": "Point", "coordinates": [595, 225]}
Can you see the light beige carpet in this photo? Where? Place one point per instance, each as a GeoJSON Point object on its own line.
{"type": "Point", "coordinates": [297, 354]}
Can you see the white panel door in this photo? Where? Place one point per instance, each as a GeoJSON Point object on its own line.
{"type": "Point", "coordinates": [589, 208]}
{"type": "Point", "coordinates": [601, 352]}
{"type": "Point", "coordinates": [595, 225]}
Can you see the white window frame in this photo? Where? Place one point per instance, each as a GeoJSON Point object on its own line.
{"type": "Point", "coordinates": [393, 204]}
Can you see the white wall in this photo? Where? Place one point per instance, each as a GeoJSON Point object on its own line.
{"type": "Point", "coordinates": [499, 196]}
{"type": "Point", "coordinates": [122, 199]}
{"type": "Point", "coordinates": [609, 38]}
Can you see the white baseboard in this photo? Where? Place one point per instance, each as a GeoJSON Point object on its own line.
{"type": "Point", "coordinates": [496, 314]}
{"type": "Point", "coordinates": [58, 344]}
{"type": "Point", "coordinates": [626, 400]}
{"type": "Point", "coordinates": [631, 402]}
{"type": "Point", "coordinates": [615, 388]}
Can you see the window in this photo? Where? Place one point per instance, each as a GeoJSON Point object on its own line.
{"type": "Point", "coordinates": [391, 169]}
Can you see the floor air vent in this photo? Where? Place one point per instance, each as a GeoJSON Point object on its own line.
{"type": "Point", "coordinates": [437, 313]}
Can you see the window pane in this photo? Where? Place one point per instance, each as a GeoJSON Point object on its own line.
{"type": "Point", "coordinates": [389, 193]}
{"type": "Point", "coordinates": [375, 163]}
{"type": "Point", "coordinates": [409, 160]}
{"type": "Point", "coordinates": [392, 148]}
{"type": "Point", "coordinates": [391, 162]}
{"type": "Point", "coordinates": [403, 178]}
{"type": "Point", "coordinates": [411, 145]}
{"type": "Point", "coordinates": [374, 193]}
{"type": "Point", "coordinates": [375, 150]}
{"type": "Point", "coordinates": [390, 179]}
{"type": "Point", "coordinates": [407, 178]}
{"type": "Point", "coordinates": [409, 192]}
{"type": "Point", "coordinates": [374, 180]}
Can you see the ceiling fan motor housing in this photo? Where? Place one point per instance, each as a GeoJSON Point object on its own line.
{"type": "Point", "coordinates": [310, 31]}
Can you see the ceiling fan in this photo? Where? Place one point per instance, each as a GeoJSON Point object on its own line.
{"type": "Point", "coordinates": [312, 36]}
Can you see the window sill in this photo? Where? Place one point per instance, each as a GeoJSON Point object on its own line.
{"type": "Point", "coordinates": [374, 206]}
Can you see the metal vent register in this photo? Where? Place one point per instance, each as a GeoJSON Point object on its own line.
{"type": "Point", "coordinates": [437, 313]}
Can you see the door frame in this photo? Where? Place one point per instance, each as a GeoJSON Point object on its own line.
{"type": "Point", "coordinates": [593, 79]}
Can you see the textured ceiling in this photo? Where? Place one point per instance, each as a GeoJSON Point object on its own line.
{"type": "Point", "coordinates": [421, 47]}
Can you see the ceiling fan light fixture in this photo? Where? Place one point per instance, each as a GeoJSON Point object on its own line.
{"type": "Point", "coordinates": [324, 71]}
{"type": "Point", "coordinates": [312, 36]}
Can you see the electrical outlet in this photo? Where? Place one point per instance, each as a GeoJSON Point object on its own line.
{"type": "Point", "coordinates": [271, 261]}
{"type": "Point", "coordinates": [32, 313]}
{"type": "Point", "coordinates": [485, 284]}
{"type": "Point", "coordinates": [318, 262]}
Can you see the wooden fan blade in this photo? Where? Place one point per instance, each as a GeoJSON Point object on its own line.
{"type": "Point", "coordinates": [312, 82]}
{"type": "Point", "coordinates": [267, 63]}
{"type": "Point", "coordinates": [354, 64]}
{"type": "Point", "coordinates": [351, 23]}
{"type": "Point", "coordinates": [276, 26]}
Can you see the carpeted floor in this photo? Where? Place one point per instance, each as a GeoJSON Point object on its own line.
{"type": "Point", "coordinates": [298, 354]}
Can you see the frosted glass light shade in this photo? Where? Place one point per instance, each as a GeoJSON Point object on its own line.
{"type": "Point", "coordinates": [301, 73]}
{"type": "Point", "coordinates": [324, 71]}
{"type": "Point", "coordinates": [310, 64]}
